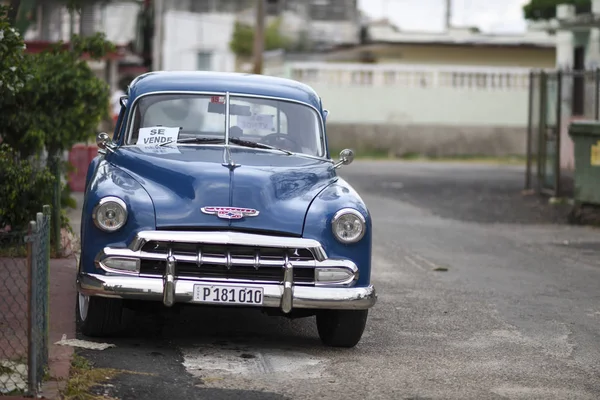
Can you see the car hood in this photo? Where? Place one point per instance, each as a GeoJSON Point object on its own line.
{"type": "Point", "coordinates": [182, 181]}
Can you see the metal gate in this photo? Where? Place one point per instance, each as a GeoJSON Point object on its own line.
{"type": "Point", "coordinates": [555, 98]}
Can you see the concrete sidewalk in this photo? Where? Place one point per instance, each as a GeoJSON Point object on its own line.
{"type": "Point", "coordinates": [62, 307]}
{"type": "Point", "coordinates": [62, 322]}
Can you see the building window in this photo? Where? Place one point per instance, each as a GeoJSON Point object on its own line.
{"type": "Point", "coordinates": [204, 61]}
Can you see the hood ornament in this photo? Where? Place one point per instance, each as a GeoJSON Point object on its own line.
{"type": "Point", "coordinates": [230, 212]}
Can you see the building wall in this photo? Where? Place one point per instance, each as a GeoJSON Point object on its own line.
{"type": "Point", "coordinates": [188, 34]}
{"type": "Point", "coordinates": [334, 32]}
{"type": "Point", "coordinates": [119, 20]}
{"type": "Point", "coordinates": [422, 109]}
{"type": "Point", "coordinates": [455, 55]}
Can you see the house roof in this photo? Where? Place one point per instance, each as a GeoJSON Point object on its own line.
{"type": "Point", "coordinates": [221, 82]}
{"type": "Point", "coordinates": [459, 36]}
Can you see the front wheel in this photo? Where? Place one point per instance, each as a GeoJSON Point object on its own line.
{"type": "Point", "coordinates": [341, 328]}
{"type": "Point", "coordinates": [99, 317]}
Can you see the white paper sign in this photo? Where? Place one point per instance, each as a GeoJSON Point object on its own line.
{"type": "Point", "coordinates": [263, 122]}
{"type": "Point", "coordinates": [155, 135]}
{"type": "Point", "coordinates": [160, 149]}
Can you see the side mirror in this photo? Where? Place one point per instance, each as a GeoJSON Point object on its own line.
{"type": "Point", "coordinates": [346, 158]}
{"type": "Point", "coordinates": [104, 143]}
{"type": "Point", "coordinates": [123, 101]}
{"type": "Point", "coordinates": [325, 114]}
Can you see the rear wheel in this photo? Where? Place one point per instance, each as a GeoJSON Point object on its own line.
{"type": "Point", "coordinates": [341, 328]}
{"type": "Point", "coordinates": [98, 316]}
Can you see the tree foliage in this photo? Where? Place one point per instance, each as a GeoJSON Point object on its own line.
{"type": "Point", "coordinates": [15, 72]}
{"type": "Point", "coordinates": [62, 101]}
{"type": "Point", "coordinates": [25, 189]}
{"type": "Point", "coordinates": [242, 41]}
{"type": "Point", "coordinates": [69, 98]}
{"type": "Point", "coordinates": [546, 9]}
{"type": "Point", "coordinates": [50, 100]}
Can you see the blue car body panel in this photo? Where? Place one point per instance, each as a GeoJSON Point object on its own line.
{"type": "Point", "coordinates": [296, 195]}
{"type": "Point", "coordinates": [109, 180]}
{"type": "Point", "coordinates": [278, 185]}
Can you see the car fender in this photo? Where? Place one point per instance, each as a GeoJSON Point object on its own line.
{"type": "Point", "coordinates": [109, 180]}
{"type": "Point", "coordinates": [317, 225]}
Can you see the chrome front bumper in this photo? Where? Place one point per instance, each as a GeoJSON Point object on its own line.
{"type": "Point", "coordinates": [275, 296]}
{"type": "Point", "coordinates": [171, 287]}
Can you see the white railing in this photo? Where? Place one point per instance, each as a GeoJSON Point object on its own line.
{"type": "Point", "coordinates": [401, 75]}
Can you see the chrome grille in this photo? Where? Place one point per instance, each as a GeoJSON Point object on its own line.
{"type": "Point", "coordinates": [235, 262]}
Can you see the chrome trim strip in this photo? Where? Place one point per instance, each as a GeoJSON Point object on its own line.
{"type": "Point", "coordinates": [205, 260]}
{"type": "Point", "coordinates": [227, 119]}
{"type": "Point", "coordinates": [228, 262]}
{"type": "Point", "coordinates": [256, 260]}
{"type": "Point", "coordinates": [128, 287]}
{"type": "Point", "coordinates": [228, 238]}
{"type": "Point", "coordinates": [328, 263]}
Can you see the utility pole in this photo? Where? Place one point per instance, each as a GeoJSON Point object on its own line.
{"type": "Point", "coordinates": [448, 14]}
{"type": "Point", "coordinates": [158, 35]}
{"type": "Point", "coordinates": [87, 19]}
{"type": "Point", "coordinates": [71, 27]}
{"type": "Point", "coordinates": [259, 36]}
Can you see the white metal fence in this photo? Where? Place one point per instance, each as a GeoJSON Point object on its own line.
{"type": "Point", "coordinates": [417, 95]}
{"type": "Point", "coordinates": [400, 75]}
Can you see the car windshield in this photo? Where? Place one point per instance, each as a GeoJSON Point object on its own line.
{"type": "Point", "coordinates": [201, 119]}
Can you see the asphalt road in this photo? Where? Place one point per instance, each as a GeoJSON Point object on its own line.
{"type": "Point", "coordinates": [515, 316]}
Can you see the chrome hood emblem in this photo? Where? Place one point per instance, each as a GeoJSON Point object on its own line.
{"type": "Point", "coordinates": [230, 212]}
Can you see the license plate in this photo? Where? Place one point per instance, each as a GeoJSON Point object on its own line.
{"type": "Point", "coordinates": [228, 294]}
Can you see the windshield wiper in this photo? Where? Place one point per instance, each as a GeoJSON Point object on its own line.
{"type": "Point", "coordinates": [256, 145]}
{"type": "Point", "coordinates": [195, 140]}
{"type": "Point", "coordinates": [240, 142]}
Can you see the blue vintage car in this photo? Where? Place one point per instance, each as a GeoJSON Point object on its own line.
{"type": "Point", "coordinates": [218, 189]}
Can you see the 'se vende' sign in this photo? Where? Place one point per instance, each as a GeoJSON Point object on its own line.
{"type": "Point", "coordinates": [155, 135]}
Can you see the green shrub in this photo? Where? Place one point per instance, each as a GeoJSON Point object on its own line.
{"type": "Point", "coordinates": [26, 188]}
{"type": "Point", "coordinates": [546, 9]}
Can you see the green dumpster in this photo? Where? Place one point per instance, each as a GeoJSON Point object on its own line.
{"type": "Point", "coordinates": [586, 138]}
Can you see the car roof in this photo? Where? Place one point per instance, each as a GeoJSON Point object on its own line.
{"type": "Point", "coordinates": [209, 81]}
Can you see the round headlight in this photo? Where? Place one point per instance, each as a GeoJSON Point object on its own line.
{"type": "Point", "coordinates": [348, 225]}
{"type": "Point", "coordinates": [110, 214]}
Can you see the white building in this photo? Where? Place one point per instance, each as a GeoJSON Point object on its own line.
{"type": "Point", "coordinates": [193, 41]}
